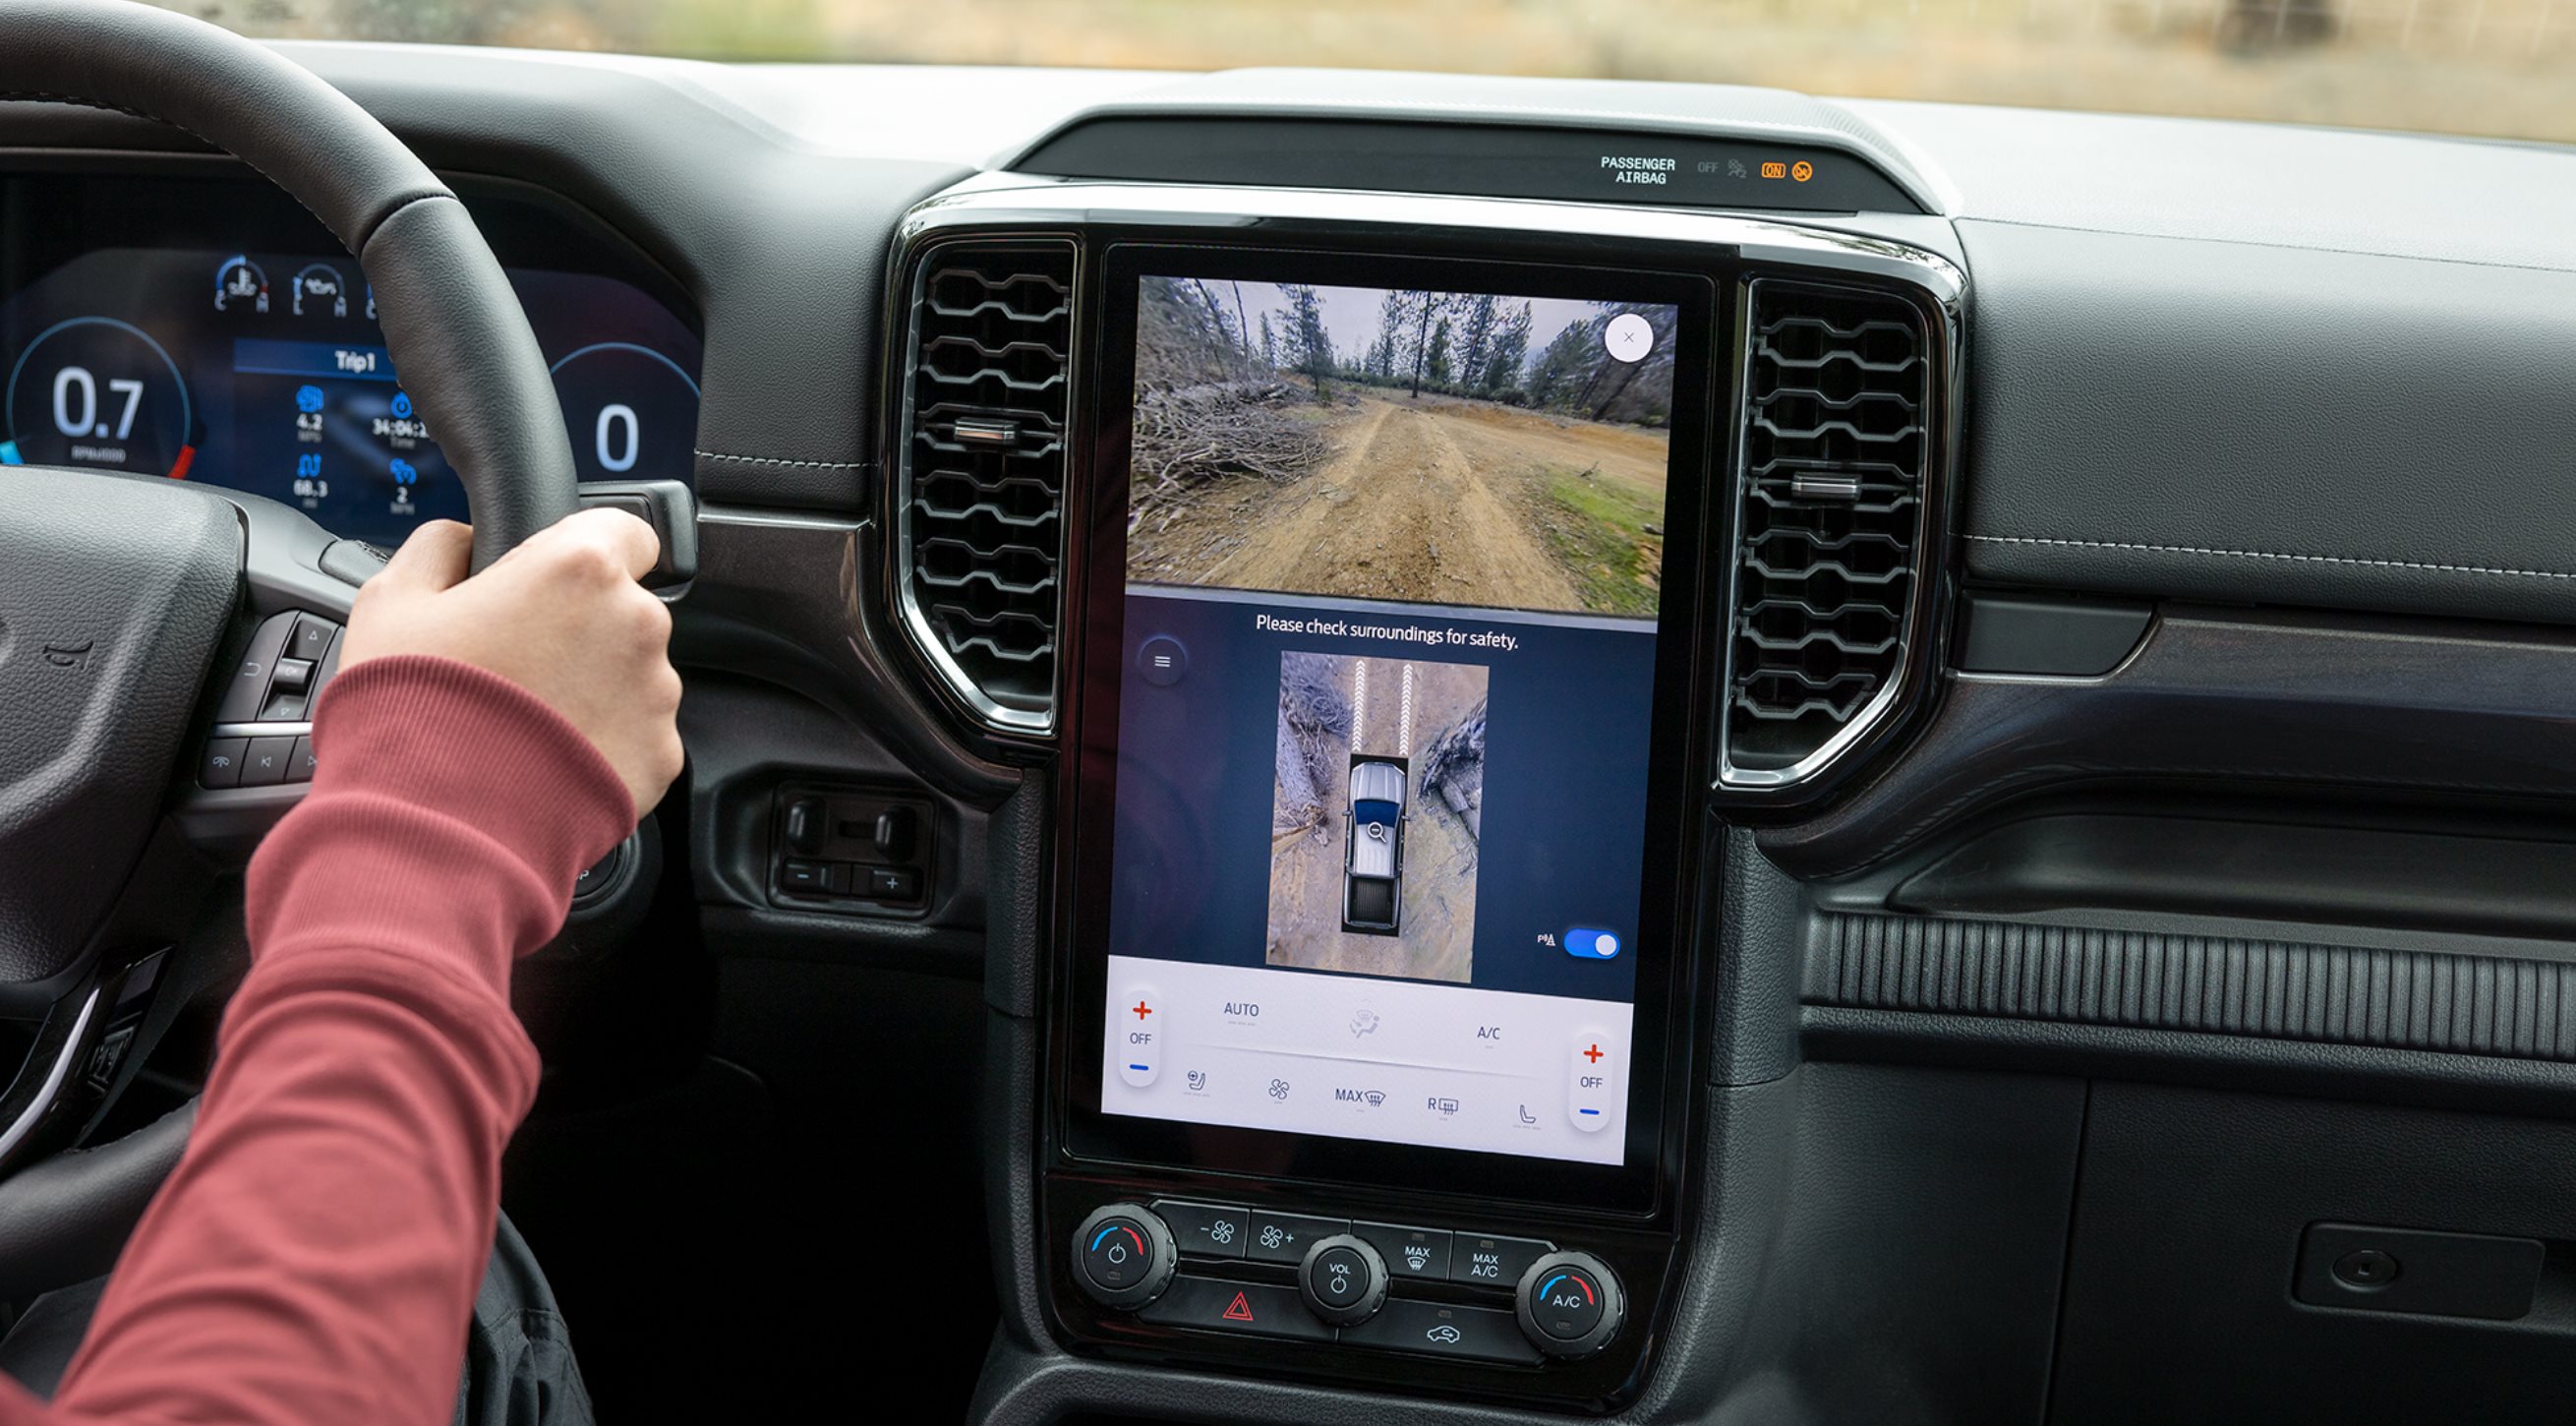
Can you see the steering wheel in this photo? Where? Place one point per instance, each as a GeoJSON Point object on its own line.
{"type": "Point", "coordinates": [118, 595]}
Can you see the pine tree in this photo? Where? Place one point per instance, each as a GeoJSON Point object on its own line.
{"type": "Point", "coordinates": [1502, 365]}
{"type": "Point", "coordinates": [1310, 347]}
{"type": "Point", "coordinates": [1564, 367]}
{"type": "Point", "coordinates": [1476, 338]}
{"type": "Point", "coordinates": [1435, 362]}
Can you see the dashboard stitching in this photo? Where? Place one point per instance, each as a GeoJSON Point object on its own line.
{"type": "Point", "coordinates": [776, 460]}
{"type": "Point", "coordinates": [2127, 232]}
{"type": "Point", "coordinates": [2270, 555]}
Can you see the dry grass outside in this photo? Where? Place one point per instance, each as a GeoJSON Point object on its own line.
{"type": "Point", "coordinates": [2504, 68]}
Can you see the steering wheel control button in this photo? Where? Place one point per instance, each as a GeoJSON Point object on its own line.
{"type": "Point", "coordinates": [222, 766]}
{"type": "Point", "coordinates": [1409, 1252]}
{"type": "Point", "coordinates": [1285, 1237]}
{"type": "Point", "coordinates": [1494, 1262]}
{"type": "Point", "coordinates": [1123, 1256]}
{"type": "Point", "coordinates": [299, 764]}
{"type": "Point", "coordinates": [312, 638]}
{"type": "Point", "coordinates": [1483, 1334]}
{"type": "Point", "coordinates": [1343, 1280]}
{"type": "Point", "coordinates": [266, 761]}
{"type": "Point", "coordinates": [1570, 1304]}
{"type": "Point", "coordinates": [1137, 1039]}
{"type": "Point", "coordinates": [247, 689]}
{"type": "Point", "coordinates": [1207, 1230]}
{"type": "Point", "coordinates": [1253, 1309]}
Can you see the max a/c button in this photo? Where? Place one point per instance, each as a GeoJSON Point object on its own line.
{"type": "Point", "coordinates": [1252, 1308]}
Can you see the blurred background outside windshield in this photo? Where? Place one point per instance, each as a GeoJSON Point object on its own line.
{"type": "Point", "coordinates": [2499, 68]}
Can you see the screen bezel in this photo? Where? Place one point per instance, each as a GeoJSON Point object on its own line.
{"type": "Point", "coordinates": [1095, 634]}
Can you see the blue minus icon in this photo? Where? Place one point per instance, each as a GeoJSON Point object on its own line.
{"type": "Point", "coordinates": [1584, 943]}
{"type": "Point", "coordinates": [1593, 1112]}
{"type": "Point", "coordinates": [1140, 1069]}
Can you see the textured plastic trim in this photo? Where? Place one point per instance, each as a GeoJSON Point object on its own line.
{"type": "Point", "coordinates": [2284, 990]}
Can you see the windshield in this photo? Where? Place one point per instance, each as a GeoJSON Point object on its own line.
{"type": "Point", "coordinates": [2502, 68]}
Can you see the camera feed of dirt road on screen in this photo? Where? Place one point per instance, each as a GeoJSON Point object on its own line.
{"type": "Point", "coordinates": [1375, 815]}
{"type": "Point", "coordinates": [1431, 447]}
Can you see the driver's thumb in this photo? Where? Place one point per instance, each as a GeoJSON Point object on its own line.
{"type": "Point", "coordinates": [436, 557]}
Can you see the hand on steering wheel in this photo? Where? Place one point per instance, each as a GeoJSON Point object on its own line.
{"type": "Point", "coordinates": [561, 616]}
{"type": "Point", "coordinates": [126, 603]}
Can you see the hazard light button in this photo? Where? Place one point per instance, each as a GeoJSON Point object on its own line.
{"type": "Point", "coordinates": [1252, 1308]}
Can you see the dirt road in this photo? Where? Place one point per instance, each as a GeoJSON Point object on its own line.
{"type": "Point", "coordinates": [1431, 501]}
{"type": "Point", "coordinates": [1400, 512]}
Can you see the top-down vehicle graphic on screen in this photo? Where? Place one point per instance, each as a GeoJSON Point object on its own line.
{"type": "Point", "coordinates": [1373, 883]}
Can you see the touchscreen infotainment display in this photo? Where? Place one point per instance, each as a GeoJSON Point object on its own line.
{"type": "Point", "coordinates": [1394, 561]}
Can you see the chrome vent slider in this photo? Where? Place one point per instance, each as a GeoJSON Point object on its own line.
{"type": "Point", "coordinates": [980, 476]}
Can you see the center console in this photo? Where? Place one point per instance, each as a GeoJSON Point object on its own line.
{"type": "Point", "coordinates": [1396, 551]}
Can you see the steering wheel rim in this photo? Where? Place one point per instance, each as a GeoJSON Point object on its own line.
{"type": "Point", "coordinates": [467, 358]}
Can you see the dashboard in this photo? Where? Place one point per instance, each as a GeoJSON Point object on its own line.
{"type": "Point", "coordinates": [1510, 750]}
{"type": "Point", "coordinates": [213, 341]}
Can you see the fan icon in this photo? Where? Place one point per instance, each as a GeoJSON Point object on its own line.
{"type": "Point", "coordinates": [1221, 1232]}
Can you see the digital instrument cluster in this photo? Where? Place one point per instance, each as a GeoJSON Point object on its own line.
{"type": "Point", "coordinates": [267, 373]}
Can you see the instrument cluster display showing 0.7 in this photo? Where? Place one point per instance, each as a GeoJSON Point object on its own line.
{"type": "Point", "coordinates": [268, 374]}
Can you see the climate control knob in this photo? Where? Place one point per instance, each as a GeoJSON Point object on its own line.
{"type": "Point", "coordinates": [1571, 1305]}
{"type": "Point", "coordinates": [1342, 1280]}
{"type": "Point", "coordinates": [1123, 1256]}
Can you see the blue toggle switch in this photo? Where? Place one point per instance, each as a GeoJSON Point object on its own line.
{"type": "Point", "coordinates": [1584, 943]}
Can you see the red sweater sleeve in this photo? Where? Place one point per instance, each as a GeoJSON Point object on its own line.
{"type": "Point", "coordinates": [315, 1256]}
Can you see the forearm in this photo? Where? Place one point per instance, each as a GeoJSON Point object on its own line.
{"type": "Point", "coordinates": [316, 1255]}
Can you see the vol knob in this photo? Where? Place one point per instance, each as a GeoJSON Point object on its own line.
{"type": "Point", "coordinates": [1343, 1280]}
{"type": "Point", "coordinates": [1571, 1305]}
{"type": "Point", "coordinates": [1123, 1256]}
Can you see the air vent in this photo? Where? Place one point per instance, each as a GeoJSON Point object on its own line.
{"type": "Point", "coordinates": [1830, 524]}
{"type": "Point", "coordinates": [980, 490]}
